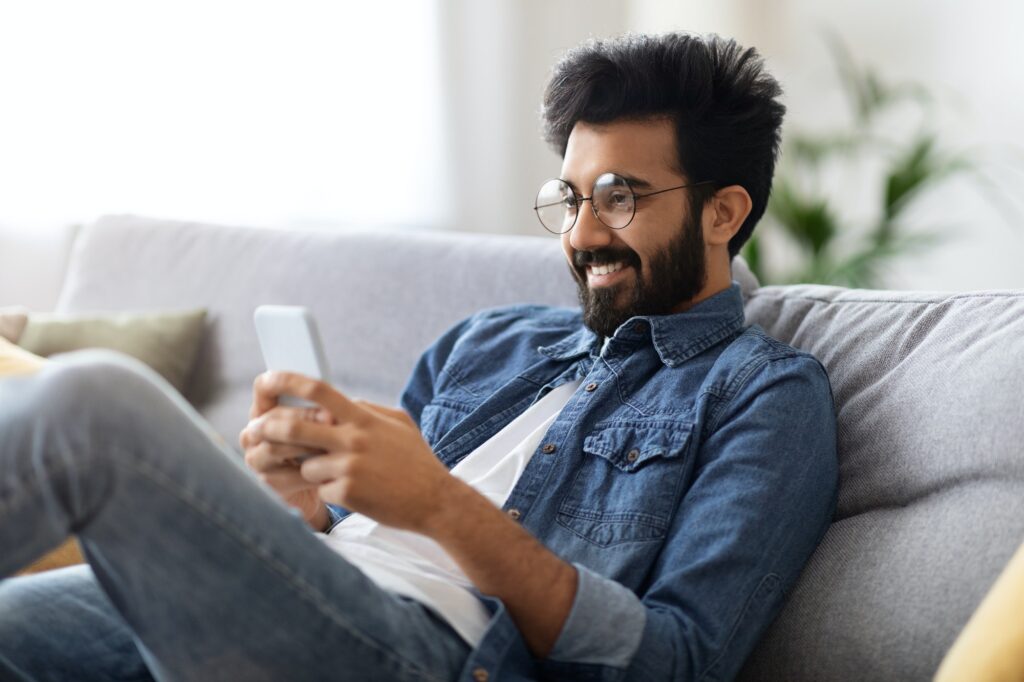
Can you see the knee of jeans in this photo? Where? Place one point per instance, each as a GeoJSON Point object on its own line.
{"type": "Point", "coordinates": [88, 381]}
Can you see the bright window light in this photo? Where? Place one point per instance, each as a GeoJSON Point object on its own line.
{"type": "Point", "coordinates": [263, 113]}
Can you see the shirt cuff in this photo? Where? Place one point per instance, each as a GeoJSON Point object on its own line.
{"type": "Point", "coordinates": [604, 626]}
{"type": "Point", "coordinates": [336, 514]}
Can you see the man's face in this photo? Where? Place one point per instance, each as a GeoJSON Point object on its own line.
{"type": "Point", "coordinates": [661, 252]}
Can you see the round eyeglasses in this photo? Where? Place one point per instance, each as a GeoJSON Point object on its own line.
{"type": "Point", "coordinates": [612, 199]}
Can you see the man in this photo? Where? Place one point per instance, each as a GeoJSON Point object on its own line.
{"type": "Point", "coordinates": [626, 491]}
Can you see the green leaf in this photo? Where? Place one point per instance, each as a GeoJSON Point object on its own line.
{"type": "Point", "coordinates": [807, 219]}
{"type": "Point", "coordinates": [813, 149]}
{"type": "Point", "coordinates": [751, 253]}
{"type": "Point", "coordinates": [920, 165]}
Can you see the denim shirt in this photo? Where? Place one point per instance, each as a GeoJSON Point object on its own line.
{"type": "Point", "coordinates": [688, 479]}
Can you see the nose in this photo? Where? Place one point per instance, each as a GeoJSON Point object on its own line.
{"type": "Point", "coordinates": [589, 233]}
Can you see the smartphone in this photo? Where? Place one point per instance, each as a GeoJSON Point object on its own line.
{"type": "Point", "coordinates": [290, 342]}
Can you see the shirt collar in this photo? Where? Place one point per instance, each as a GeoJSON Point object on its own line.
{"type": "Point", "coordinates": [676, 338]}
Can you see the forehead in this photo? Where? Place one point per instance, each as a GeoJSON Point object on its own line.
{"type": "Point", "coordinates": [644, 149]}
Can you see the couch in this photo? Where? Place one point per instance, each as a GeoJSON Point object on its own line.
{"type": "Point", "coordinates": [927, 386]}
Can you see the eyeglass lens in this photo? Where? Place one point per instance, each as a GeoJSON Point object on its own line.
{"type": "Point", "coordinates": [612, 199]}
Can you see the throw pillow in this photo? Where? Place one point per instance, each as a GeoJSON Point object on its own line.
{"type": "Point", "coordinates": [991, 647]}
{"type": "Point", "coordinates": [166, 341]}
{"type": "Point", "coordinates": [12, 323]}
{"type": "Point", "coordinates": [14, 360]}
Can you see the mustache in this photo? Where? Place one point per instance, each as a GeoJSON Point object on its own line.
{"type": "Point", "coordinates": [582, 259]}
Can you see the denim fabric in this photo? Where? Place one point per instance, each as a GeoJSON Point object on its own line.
{"type": "Point", "coordinates": [197, 571]}
{"type": "Point", "coordinates": [688, 479]}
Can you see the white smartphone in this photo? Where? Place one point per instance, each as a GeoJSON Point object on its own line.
{"type": "Point", "coordinates": [290, 342]}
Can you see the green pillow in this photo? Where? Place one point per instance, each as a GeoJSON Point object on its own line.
{"type": "Point", "coordinates": [167, 341]}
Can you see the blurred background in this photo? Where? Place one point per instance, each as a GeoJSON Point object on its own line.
{"type": "Point", "coordinates": [903, 158]}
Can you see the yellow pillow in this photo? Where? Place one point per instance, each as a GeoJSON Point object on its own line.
{"type": "Point", "coordinates": [14, 360]}
{"type": "Point", "coordinates": [991, 646]}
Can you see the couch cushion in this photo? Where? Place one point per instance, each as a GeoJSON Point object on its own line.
{"type": "Point", "coordinates": [167, 340]}
{"type": "Point", "coordinates": [928, 390]}
{"type": "Point", "coordinates": [15, 361]}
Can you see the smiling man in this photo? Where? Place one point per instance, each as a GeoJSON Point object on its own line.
{"type": "Point", "coordinates": [621, 492]}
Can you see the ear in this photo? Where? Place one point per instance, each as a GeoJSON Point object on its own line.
{"type": "Point", "coordinates": [724, 214]}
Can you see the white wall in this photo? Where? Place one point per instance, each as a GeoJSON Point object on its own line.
{"type": "Point", "coordinates": [969, 54]}
{"type": "Point", "coordinates": [496, 59]}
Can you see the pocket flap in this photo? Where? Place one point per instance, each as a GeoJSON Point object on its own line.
{"type": "Point", "coordinates": [631, 446]}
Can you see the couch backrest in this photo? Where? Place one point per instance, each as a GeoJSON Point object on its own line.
{"type": "Point", "coordinates": [928, 389]}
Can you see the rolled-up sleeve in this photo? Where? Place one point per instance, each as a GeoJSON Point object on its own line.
{"type": "Point", "coordinates": [604, 625]}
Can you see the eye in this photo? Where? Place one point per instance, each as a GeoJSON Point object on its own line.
{"type": "Point", "coordinates": [569, 202]}
{"type": "Point", "coordinates": [618, 198]}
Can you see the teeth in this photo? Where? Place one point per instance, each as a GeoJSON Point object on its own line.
{"type": "Point", "coordinates": [605, 269]}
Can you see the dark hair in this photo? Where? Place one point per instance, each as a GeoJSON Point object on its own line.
{"type": "Point", "coordinates": [721, 99]}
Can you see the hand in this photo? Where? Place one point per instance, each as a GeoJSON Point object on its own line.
{"type": "Point", "coordinates": [277, 465]}
{"type": "Point", "coordinates": [375, 460]}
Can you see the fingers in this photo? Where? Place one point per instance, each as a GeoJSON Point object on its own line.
{"type": "Point", "coordinates": [333, 467]}
{"type": "Point", "coordinates": [266, 456]}
{"type": "Point", "coordinates": [285, 480]}
{"type": "Point", "coordinates": [321, 415]}
{"type": "Point", "coordinates": [383, 410]}
{"type": "Point", "coordinates": [270, 386]}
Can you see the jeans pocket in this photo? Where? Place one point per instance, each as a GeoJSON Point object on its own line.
{"type": "Point", "coordinates": [629, 482]}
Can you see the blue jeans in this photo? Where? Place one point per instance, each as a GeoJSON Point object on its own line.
{"type": "Point", "coordinates": [196, 570]}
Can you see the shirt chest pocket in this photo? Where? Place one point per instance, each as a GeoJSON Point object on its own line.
{"type": "Point", "coordinates": [629, 482]}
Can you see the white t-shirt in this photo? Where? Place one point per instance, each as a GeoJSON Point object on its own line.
{"type": "Point", "coordinates": [414, 565]}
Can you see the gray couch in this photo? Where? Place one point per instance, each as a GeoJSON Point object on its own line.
{"type": "Point", "coordinates": [927, 385]}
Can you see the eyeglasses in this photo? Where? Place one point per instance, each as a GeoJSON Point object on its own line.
{"type": "Point", "coordinates": [612, 200]}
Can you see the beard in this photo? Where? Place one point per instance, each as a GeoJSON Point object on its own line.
{"type": "Point", "coordinates": [677, 274]}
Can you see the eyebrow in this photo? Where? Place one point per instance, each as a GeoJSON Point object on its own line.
{"type": "Point", "coordinates": [634, 182]}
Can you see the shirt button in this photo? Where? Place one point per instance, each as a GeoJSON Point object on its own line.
{"type": "Point", "coordinates": [548, 449]}
{"type": "Point", "coordinates": [514, 514]}
{"type": "Point", "coordinates": [480, 675]}
{"type": "Point", "coordinates": [590, 387]}
{"type": "Point", "coordinates": [632, 455]}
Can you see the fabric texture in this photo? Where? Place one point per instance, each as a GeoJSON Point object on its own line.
{"type": "Point", "coordinates": [15, 361]}
{"type": "Point", "coordinates": [931, 501]}
{"type": "Point", "coordinates": [991, 647]}
{"type": "Point", "coordinates": [167, 341]}
{"type": "Point", "coordinates": [418, 567]}
{"type": "Point", "coordinates": [12, 323]}
{"type": "Point", "coordinates": [197, 570]}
